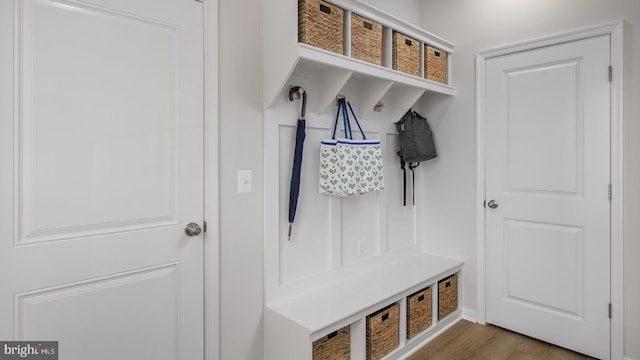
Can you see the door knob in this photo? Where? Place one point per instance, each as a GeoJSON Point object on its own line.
{"type": "Point", "coordinates": [192, 229]}
{"type": "Point", "coordinates": [492, 204]}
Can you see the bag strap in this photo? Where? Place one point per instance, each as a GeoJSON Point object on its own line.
{"type": "Point", "coordinates": [364, 137]}
{"type": "Point", "coordinates": [413, 180]}
{"type": "Point", "coordinates": [342, 107]}
{"type": "Point", "coordinates": [404, 178]}
{"type": "Point", "coordinates": [335, 124]}
{"type": "Point", "coordinates": [412, 166]}
{"type": "Point", "coordinates": [345, 119]}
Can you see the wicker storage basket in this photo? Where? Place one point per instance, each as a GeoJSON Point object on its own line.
{"type": "Point", "coordinates": [419, 312]}
{"type": "Point", "coordinates": [366, 39]}
{"type": "Point", "coordinates": [447, 296]}
{"type": "Point", "coordinates": [406, 54]}
{"type": "Point", "coordinates": [435, 64]}
{"type": "Point", "coordinates": [321, 24]}
{"type": "Point", "coordinates": [335, 346]}
{"type": "Point", "coordinates": [383, 329]}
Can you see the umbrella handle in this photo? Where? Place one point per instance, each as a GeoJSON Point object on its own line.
{"type": "Point", "coordinates": [304, 99]}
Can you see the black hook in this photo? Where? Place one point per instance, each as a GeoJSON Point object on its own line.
{"type": "Point", "coordinates": [304, 98]}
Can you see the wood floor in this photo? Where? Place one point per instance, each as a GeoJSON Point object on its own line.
{"type": "Point", "coordinates": [466, 340]}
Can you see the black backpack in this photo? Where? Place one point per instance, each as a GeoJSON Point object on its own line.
{"type": "Point", "coordinates": [416, 145]}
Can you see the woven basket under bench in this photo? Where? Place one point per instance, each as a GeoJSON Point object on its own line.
{"type": "Point", "coordinates": [335, 346]}
{"type": "Point", "coordinates": [383, 332]}
{"type": "Point", "coordinates": [447, 296]}
{"type": "Point", "coordinates": [419, 312]}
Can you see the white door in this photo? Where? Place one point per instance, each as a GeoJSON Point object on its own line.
{"type": "Point", "coordinates": [547, 169]}
{"type": "Point", "coordinates": [101, 168]}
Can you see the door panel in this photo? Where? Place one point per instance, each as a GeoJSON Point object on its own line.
{"type": "Point", "coordinates": [543, 97]}
{"type": "Point", "coordinates": [547, 133]}
{"type": "Point", "coordinates": [82, 156]}
{"type": "Point", "coordinates": [99, 307]}
{"type": "Point", "coordinates": [528, 248]}
{"type": "Point", "coordinates": [102, 156]}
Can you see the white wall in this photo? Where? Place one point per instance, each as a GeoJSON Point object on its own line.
{"type": "Point", "coordinates": [240, 146]}
{"type": "Point", "coordinates": [449, 182]}
{"type": "Point", "coordinates": [407, 10]}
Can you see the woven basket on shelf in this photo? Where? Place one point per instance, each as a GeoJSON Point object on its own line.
{"type": "Point", "coordinates": [383, 328]}
{"type": "Point", "coordinates": [419, 312]}
{"type": "Point", "coordinates": [447, 296]}
{"type": "Point", "coordinates": [435, 64]}
{"type": "Point", "coordinates": [321, 24]}
{"type": "Point", "coordinates": [366, 39]}
{"type": "Point", "coordinates": [406, 54]}
{"type": "Point", "coordinates": [335, 346]}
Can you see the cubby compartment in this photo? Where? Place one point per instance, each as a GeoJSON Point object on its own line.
{"type": "Point", "coordinates": [447, 296]}
{"type": "Point", "coordinates": [366, 39]}
{"type": "Point", "coordinates": [321, 24]}
{"type": "Point", "coordinates": [383, 332]}
{"type": "Point", "coordinates": [435, 64]}
{"type": "Point", "coordinates": [333, 346]}
{"type": "Point", "coordinates": [406, 54]}
{"type": "Point", "coordinates": [419, 312]}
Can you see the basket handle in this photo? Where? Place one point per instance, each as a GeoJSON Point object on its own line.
{"type": "Point", "coordinates": [447, 284]}
{"type": "Point", "coordinates": [332, 335]}
{"type": "Point", "coordinates": [408, 42]}
{"type": "Point", "coordinates": [325, 9]}
{"type": "Point", "coordinates": [385, 316]}
{"type": "Point", "coordinates": [367, 25]}
{"type": "Point", "coordinates": [420, 298]}
{"type": "Point", "coordinates": [436, 53]}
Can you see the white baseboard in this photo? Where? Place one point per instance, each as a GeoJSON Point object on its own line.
{"type": "Point", "coordinates": [469, 315]}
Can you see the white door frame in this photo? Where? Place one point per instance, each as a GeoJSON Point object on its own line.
{"type": "Point", "coordinates": [211, 211]}
{"type": "Point", "coordinates": [615, 30]}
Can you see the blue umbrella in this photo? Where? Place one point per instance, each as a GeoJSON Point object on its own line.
{"type": "Point", "coordinates": [294, 188]}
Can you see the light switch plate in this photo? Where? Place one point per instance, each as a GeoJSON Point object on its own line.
{"type": "Point", "coordinates": [245, 181]}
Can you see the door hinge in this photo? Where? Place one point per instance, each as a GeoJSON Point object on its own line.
{"type": "Point", "coordinates": [610, 311]}
{"type": "Point", "coordinates": [204, 225]}
{"type": "Point", "coordinates": [610, 192]}
{"type": "Point", "coordinates": [610, 73]}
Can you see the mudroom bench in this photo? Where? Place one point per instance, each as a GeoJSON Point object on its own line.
{"type": "Point", "coordinates": [338, 312]}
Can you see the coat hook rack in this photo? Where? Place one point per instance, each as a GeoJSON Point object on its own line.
{"type": "Point", "coordinates": [378, 107]}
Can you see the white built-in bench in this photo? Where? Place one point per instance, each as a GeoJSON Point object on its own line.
{"type": "Point", "coordinates": [293, 324]}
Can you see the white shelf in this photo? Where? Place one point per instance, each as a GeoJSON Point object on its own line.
{"type": "Point", "coordinates": [332, 60]}
{"type": "Point", "coordinates": [334, 71]}
{"type": "Point", "coordinates": [350, 299]}
{"type": "Point", "coordinates": [284, 57]}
